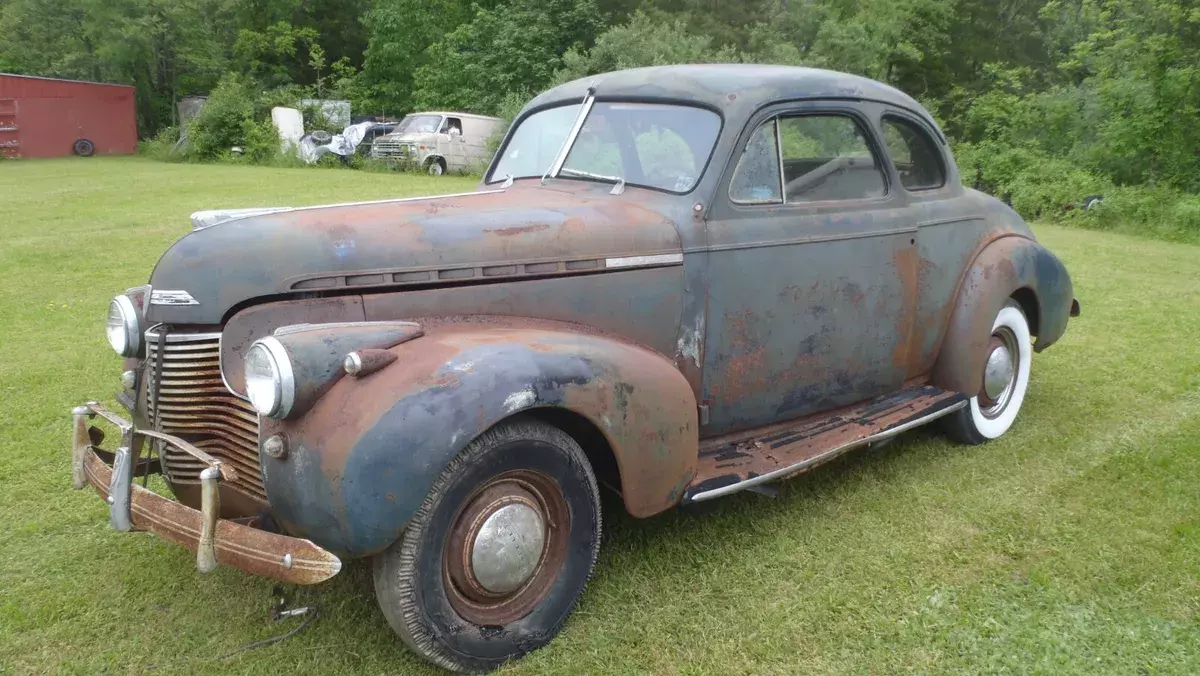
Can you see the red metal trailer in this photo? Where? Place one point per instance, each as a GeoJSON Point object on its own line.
{"type": "Point", "coordinates": [47, 117]}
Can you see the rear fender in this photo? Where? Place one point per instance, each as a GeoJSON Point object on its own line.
{"type": "Point", "coordinates": [361, 461]}
{"type": "Point", "coordinates": [1003, 267]}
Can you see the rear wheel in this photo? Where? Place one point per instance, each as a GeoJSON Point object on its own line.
{"type": "Point", "coordinates": [992, 411]}
{"type": "Point", "coordinates": [497, 556]}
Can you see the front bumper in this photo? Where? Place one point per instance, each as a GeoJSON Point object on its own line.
{"type": "Point", "coordinates": [215, 541]}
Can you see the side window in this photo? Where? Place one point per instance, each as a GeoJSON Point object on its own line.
{"type": "Point", "coordinates": [827, 157]}
{"type": "Point", "coordinates": [916, 156]}
{"type": "Point", "coordinates": [756, 177]}
{"type": "Point", "coordinates": [452, 125]}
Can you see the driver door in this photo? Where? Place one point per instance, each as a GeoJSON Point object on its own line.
{"type": "Point", "coordinates": [812, 271]}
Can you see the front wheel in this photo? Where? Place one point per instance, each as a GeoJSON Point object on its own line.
{"type": "Point", "coordinates": [436, 166]}
{"type": "Point", "coordinates": [1005, 379]}
{"type": "Point", "coordinates": [499, 552]}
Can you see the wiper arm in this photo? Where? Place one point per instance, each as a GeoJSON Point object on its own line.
{"type": "Point", "coordinates": [619, 182]}
{"type": "Point", "coordinates": [586, 107]}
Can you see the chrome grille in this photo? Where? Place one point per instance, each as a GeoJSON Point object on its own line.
{"type": "Point", "coordinates": [387, 147]}
{"type": "Point", "coordinates": [194, 404]}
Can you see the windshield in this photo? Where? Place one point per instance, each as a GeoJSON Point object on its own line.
{"type": "Point", "coordinates": [419, 124]}
{"type": "Point", "coordinates": [655, 145]}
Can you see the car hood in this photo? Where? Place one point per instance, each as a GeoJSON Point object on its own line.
{"type": "Point", "coordinates": [523, 231]}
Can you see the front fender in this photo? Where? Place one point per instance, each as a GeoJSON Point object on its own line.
{"type": "Point", "coordinates": [1002, 268]}
{"type": "Point", "coordinates": [361, 461]}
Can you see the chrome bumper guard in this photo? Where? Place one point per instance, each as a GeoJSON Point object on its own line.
{"type": "Point", "coordinates": [215, 540]}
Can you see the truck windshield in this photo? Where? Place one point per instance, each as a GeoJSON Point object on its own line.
{"type": "Point", "coordinates": [658, 146]}
{"type": "Point", "coordinates": [419, 124]}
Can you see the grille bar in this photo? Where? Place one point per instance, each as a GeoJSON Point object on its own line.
{"type": "Point", "coordinates": [195, 405]}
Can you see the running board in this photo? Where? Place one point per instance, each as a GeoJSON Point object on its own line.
{"type": "Point", "coordinates": [744, 460]}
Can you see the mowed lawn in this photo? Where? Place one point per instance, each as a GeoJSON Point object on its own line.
{"type": "Point", "coordinates": [1070, 546]}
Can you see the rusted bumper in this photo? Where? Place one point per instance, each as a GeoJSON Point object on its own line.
{"type": "Point", "coordinates": [214, 540]}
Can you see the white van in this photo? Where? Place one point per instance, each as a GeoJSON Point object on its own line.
{"type": "Point", "coordinates": [439, 141]}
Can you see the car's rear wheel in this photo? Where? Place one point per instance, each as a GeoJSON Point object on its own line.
{"type": "Point", "coordinates": [992, 411]}
{"type": "Point", "coordinates": [497, 556]}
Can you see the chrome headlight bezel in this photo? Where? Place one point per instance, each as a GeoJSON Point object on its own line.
{"type": "Point", "coordinates": [124, 325]}
{"type": "Point", "coordinates": [273, 393]}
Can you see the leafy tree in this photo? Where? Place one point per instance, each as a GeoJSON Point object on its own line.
{"type": "Point", "coordinates": [643, 41]}
{"type": "Point", "coordinates": [510, 47]}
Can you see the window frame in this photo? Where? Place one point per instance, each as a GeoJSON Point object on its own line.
{"type": "Point", "coordinates": [784, 109]}
{"type": "Point", "coordinates": [489, 178]}
{"type": "Point", "coordinates": [936, 145]}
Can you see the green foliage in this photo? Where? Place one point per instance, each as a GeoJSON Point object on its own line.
{"type": "Point", "coordinates": [512, 47]}
{"type": "Point", "coordinates": [220, 123]}
{"type": "Point", "coordinates": [643, 41]}
{"type": "Point", "coordinates": [1058, 98]}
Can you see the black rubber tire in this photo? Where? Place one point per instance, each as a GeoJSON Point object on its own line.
{"type": "Point", "coordinates": [966, 426]}
{"type": "Point", "coordinates": [408, 575]}
{"type": "Point", "coordinates": [84, 147]}
{"type": "Point", "coordinates": [435, 166]}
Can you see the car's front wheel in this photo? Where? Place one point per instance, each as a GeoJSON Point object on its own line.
{"type": "Point", "coordinates": [991, 412]}
{"type": "Point", "coordinates": [497, 556]}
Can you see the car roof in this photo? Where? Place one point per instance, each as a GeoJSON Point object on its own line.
{"type": "Point", "coordinates": [453, 114]}
{"type": "Point", "coordinates": [732, 87]}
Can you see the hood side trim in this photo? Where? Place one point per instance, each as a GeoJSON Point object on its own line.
{"type": "Point", "coordinates": [210, 217]}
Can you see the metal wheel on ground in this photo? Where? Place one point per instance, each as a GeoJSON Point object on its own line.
{"type": "Point", "coordinates": [994, 408]}
{"type": "Point", "coordinates": [496, 557]}
{"type": "Point", "coordinates": [436, 166]}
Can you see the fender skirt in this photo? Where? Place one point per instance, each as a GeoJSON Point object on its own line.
{"type": "Point", "coordinates": [1001, 269]}
{"type": "Point", "coordinates": [361, 461]}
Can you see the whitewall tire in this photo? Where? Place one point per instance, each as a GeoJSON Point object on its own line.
{"type": "Point", "coordinates": [992, 411]}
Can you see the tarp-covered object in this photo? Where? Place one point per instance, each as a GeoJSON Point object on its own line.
{"type": "Point", "coordinates": [341, 144]}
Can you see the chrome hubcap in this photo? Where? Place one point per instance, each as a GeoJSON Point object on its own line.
{"type": "Point", "coordinates": [999, 372]}
{"type": "Point", "coordinates": [507, 548]}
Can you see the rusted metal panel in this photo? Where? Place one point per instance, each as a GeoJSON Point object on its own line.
{"type": "Point", "coordinates": [259, 321]}
{"type": "Point", "coordinates": [777, 452]}
{"type": "Point", "coordinates": [639, 305]}
{"type": "Point", "coordinates": [387, 244]}
{"type": "Point", "coordinates": [360, 462]}
{"type": "Point", "coordinates": [1004, 266]}
{"type": "Point", "coordinates": [255, 551]}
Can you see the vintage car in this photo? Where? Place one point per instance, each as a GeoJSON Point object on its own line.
{"type": "Point", "coordinates": [676, 282]}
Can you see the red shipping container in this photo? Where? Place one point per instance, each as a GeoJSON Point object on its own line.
{"type": "Point", "coordinates": [45, 117]}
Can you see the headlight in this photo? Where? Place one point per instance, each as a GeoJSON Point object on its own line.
{"type": "Point", "coordinates": [270, 384]}
{"type": "Point", "coordinates": [122, 328]}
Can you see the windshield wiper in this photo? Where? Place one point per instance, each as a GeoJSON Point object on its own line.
{"type": "Point", "coordinates": [586, 107]}
{"type": "Point", "coordinates": [619, 183]}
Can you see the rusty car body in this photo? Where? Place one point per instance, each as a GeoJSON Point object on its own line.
{"type": "Point", "coordinates": [679, 282]}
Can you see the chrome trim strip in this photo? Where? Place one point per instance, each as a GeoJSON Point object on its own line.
{"type": "Point", "coordinates": [171, 297]}
{"type": "Point", "coordinates": [576, 127]}
{"type": "Point", "coordinates": [827, 455]}
{"type": "Point", "coordinates": [247, 213]}
{"type": "Point", "coordinates": [183, 337]}
{"type": "Point", "coordinates": [643, 261]}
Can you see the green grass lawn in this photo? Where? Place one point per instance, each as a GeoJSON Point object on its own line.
{"type": "Point", "coordinates": [1072, 545]}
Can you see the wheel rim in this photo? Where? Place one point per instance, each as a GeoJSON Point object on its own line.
{"type": "Point", "coordinates": [506, 547]}
{"type": "Point", "coordinates": [435, 168]}
{"type": "Point", "coordinates": [1000, 368]}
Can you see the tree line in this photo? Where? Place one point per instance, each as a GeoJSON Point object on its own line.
{"type": "Point", "coordinates": [1046, 101]}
